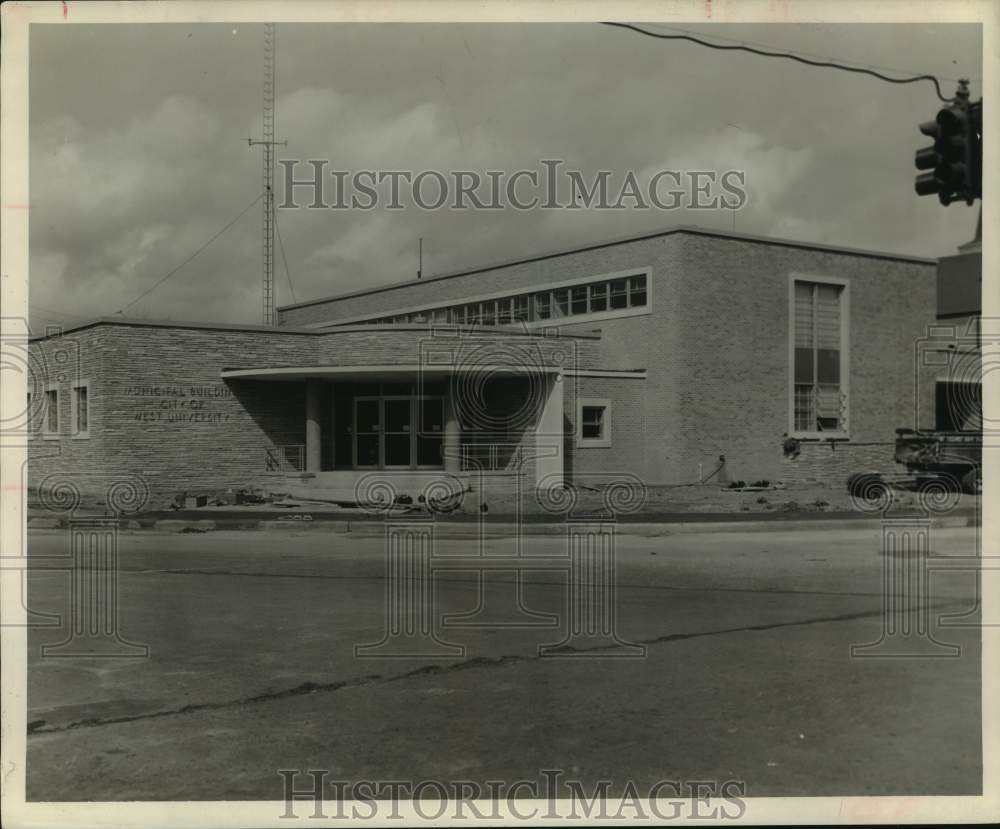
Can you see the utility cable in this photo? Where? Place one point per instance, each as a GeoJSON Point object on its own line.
{"type": "Point", "coordinates": [281, 246]}
{"type": "Point", "coordinates": [192, 256]}
{"type": "Point", "coordinates": [824, 64]}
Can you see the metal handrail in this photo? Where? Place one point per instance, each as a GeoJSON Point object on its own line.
{"type": "Point", "coordinates": [286, 457]}
{"type": "Point", "coordinates": [489, 457]}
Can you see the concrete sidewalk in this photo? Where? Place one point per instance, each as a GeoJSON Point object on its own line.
{"type": "Point", "coordinates": [470, 526]}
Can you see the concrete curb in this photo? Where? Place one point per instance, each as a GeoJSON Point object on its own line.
{"type": "Point", "coordinates": [181, 525]}
{"type": "Point", "coordinates": [45, 523]}
{"type": "Point", "coordinates": [449, 529]}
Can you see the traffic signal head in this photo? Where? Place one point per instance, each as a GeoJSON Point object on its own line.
{"type": "Point", "coordinates": [953, 159]}
{"type": "Point", "coordinates": [928, 158]}
{"type": "Point", "coordinates": [953, 146]}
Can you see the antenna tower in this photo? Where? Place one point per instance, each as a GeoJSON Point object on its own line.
{"type": "Point", "coordinates": [268, 142]}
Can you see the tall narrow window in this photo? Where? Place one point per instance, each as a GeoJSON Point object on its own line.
{"type": "Point", "coordinates": [51, 412]}
{"type": "Point", "coordinates": [80, 411]}
{"type": "Point", "coordinates": [820, 403]}
{"type": "Point", "coordinates": [543, 305]}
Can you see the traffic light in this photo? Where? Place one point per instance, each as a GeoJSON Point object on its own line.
{"type": "Point", "coordinates": [955, 159]}
{"type": "Point", "coordinates": [976, 148]}
{"type": "Point", "coordinates": [950, 159]}
{"type": "Point", "coordinates": [928, 158]}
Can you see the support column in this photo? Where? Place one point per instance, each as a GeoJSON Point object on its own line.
{"type": "Point", "coordinates": [314, 390]}
{"type": "Point", "coordinates": [332, 423]}
{"type": "Point", "coordinates": [549, 435]}
{"type": "Point", "coordinates": [451, 444]}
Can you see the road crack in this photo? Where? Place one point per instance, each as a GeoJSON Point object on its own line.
{"type": "Point", "coordinates": [306, 688]}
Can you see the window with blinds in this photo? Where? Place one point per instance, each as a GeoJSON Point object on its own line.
{"type": "Point", "coordinates": [820, 404]}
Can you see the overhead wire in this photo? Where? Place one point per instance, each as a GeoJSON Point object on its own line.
{"type": "Point", "coordinates": [896, 69]}
{"type": "Point", "coordinates": [169, 274]}
{"type": "Point", "coordinates": [767, 53]}
{"type": "Point", "coordinates": [281, 247]}
{"type": "Point", "coordinates": [52, 313]}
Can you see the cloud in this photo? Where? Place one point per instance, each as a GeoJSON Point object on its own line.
{"type": "Point", "coordinates": [138, 161]}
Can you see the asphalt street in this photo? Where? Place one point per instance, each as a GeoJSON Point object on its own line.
{"type": "Point", "coordinates": [747, 672]}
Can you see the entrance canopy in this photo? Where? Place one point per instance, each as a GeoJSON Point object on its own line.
{"type": "Point", "coordinates": [371, 372]}
{"type": "Point", "coordinates": [455, 417]}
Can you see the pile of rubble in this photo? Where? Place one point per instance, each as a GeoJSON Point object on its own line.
{"type": "Point", "coordinates": [225, 498]}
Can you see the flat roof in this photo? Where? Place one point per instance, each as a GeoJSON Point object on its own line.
{"type": "Point", "coordinates": [154, 323]}
{"type": "Point", "coordinates": [487, 331]}
{"type": "Point", "coordinates": [700, 231]}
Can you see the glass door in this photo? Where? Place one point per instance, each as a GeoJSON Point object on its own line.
{"type": "Point", "coordinates": [397, 431]}
{"type": "Point", "coordinates": [398, 434]}
{"type": "Point", "coordinates": [368, 423]}
{"type": "Point", "coordinates": [430, 433]}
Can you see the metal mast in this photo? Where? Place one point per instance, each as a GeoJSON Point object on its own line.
{"type": "Point", "coordinates": [268, 142]}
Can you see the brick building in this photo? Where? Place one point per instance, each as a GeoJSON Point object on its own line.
{"type": "Point", "coordinates": [958, 334]}
{"type": "Point", "coordinates": [651, 356]}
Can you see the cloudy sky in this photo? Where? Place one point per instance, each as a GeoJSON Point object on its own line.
{"type": "Point", "coordinates": [139, 146]}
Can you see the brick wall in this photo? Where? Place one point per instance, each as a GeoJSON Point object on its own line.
{"type": "Point", "coordinates": [715, 346]}
{"type": "Point", "coordinates": [159, 408]}
{"type": "Point", "coordinates": [61, 361]}
{"type": "Point", "coordinates": [834, 463]}
{"type": "Point", "coordinates": [732, 372]}
{"type": "Point", "coordinates": [629, 451]}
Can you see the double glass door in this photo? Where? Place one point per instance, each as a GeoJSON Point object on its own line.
{"type": "Point", "coordinates": [403, 432]}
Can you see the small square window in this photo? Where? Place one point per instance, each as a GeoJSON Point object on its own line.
{"type": "Point", "coordinates": [594, 423]}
